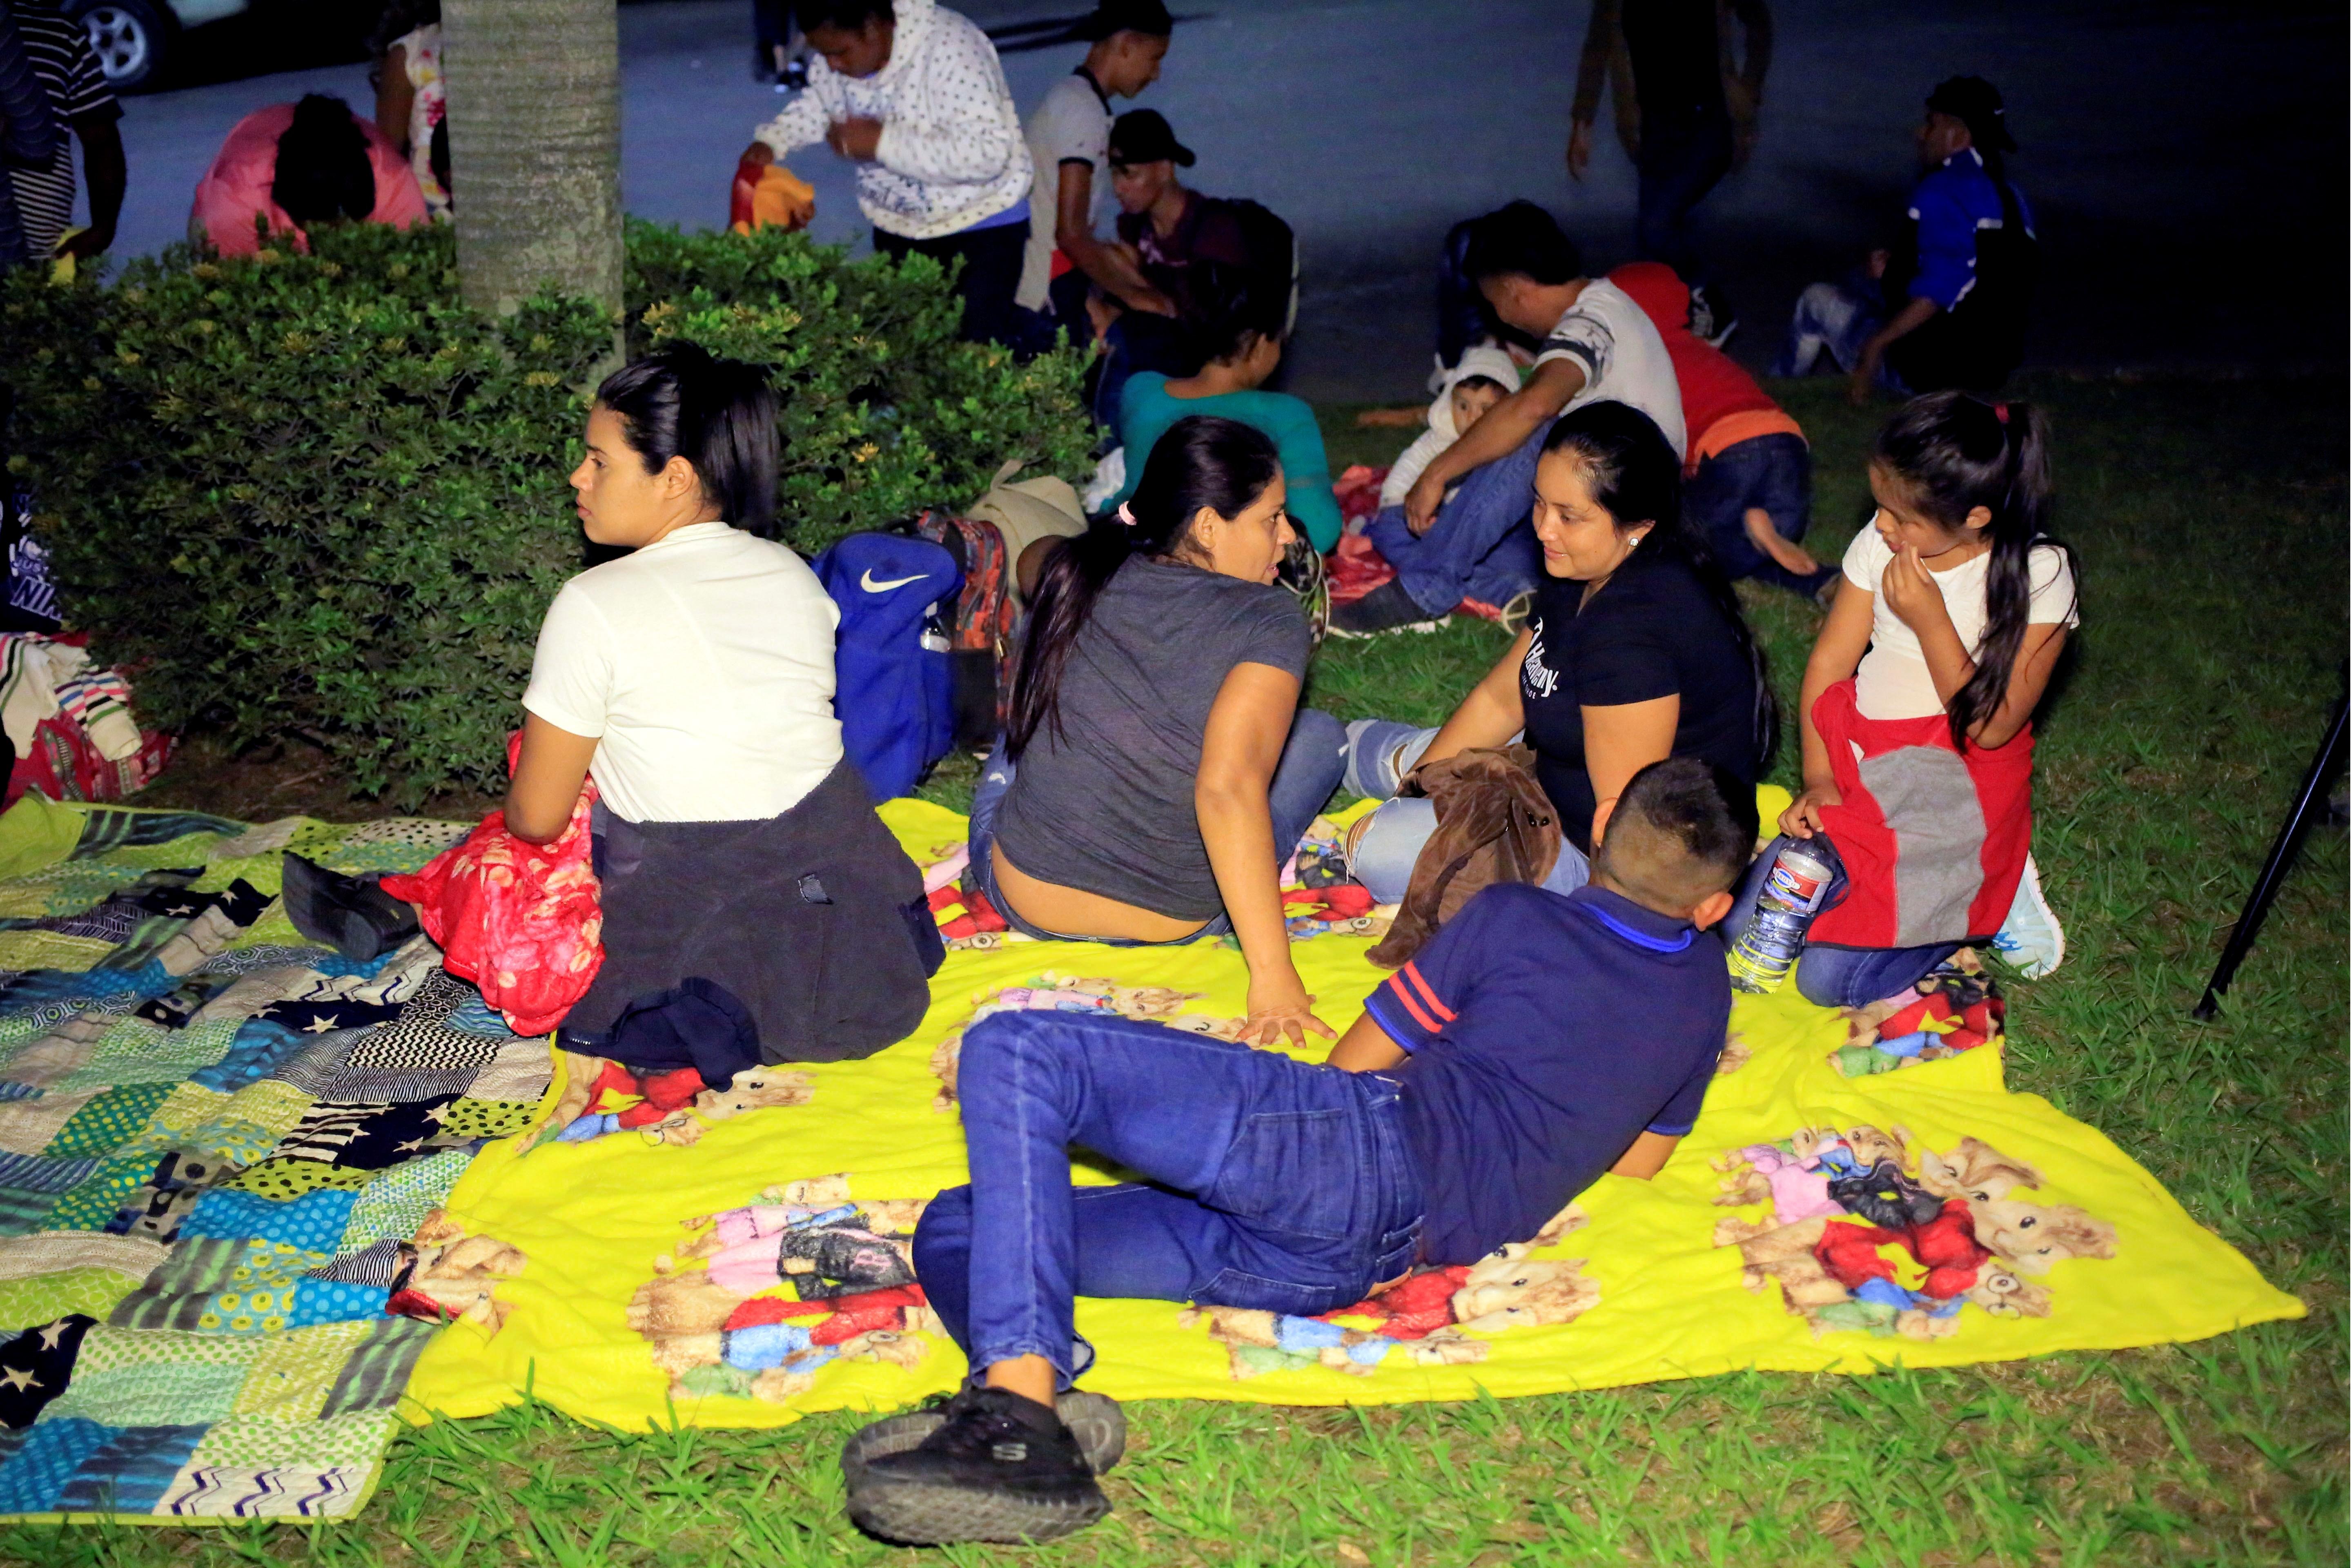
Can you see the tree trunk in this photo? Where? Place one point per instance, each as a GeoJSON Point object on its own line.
{"type": "Point", "coordinates": [534, 147]}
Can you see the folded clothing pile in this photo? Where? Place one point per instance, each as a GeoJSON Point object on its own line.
{"type": "Point", "coordinates": [70, 724]}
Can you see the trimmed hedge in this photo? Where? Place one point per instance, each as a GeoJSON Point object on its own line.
{"type": "Point", "coordinates": [318, 495]}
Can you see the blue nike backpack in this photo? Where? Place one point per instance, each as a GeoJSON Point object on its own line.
{"type": "Point", "coordinates": [894, 690]}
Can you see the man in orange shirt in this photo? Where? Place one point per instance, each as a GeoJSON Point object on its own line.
{"type": "Point", "coordinates": [1747, 475]}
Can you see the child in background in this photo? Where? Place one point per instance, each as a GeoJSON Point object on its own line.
{"type": "Point", "coordinates": [1747, 478]}
{"type": "Point", "coordinates": [1540, 1040]}
{"type": "Point", "coordinates": [1484, 376]}
{"type": "Point", "coordinates": [1917, 706]}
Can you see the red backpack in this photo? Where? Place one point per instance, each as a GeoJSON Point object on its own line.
{"type": "Point", "coordinates": [979, 633]}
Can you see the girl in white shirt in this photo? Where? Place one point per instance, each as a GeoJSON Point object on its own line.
{"type": "Point", "coordinates": [1918, 698]}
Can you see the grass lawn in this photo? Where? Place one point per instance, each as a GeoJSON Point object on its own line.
{"type": "Point", "coordinates": [2210, 518]}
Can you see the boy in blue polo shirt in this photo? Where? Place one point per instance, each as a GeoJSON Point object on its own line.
{"type": "Point", "coordinates": [1536, 1041]}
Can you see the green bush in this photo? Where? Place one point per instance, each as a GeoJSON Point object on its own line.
{"type": "Point", "coordinates": [317, 495]}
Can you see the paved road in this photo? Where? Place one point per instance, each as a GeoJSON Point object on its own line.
{"type": "Point", "coordinates": [2188, 166]}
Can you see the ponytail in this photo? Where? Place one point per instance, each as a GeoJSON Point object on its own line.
{"type": "Point", "coordinates": [1203, 462]}
{"type": "Point", "coordinates": [1954, 452]}
{"type": "Point", "coordinates": [1636, 477]}
{"type": "Point", "coordinates": [719, 414]}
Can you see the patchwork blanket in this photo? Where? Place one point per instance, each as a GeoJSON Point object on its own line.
{"type": "Point", "coordinates": [740, 1260]}
{"type": "Point", "coordinates": [222, 1153]}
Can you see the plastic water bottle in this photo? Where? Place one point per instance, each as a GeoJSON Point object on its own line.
{"type": "Point", "coordinates": [1792, 894]}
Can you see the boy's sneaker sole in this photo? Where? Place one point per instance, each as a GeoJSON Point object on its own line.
{"type": "Point", "coordinates": [919, 1513]}
{"type": "Point", "coordinates": [1335, 630]}
{"type": "Point", "coordinates": [1097, 1422]}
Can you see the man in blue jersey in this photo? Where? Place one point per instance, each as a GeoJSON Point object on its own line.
{"type": "Point", "coordinates": [1536, 1041]}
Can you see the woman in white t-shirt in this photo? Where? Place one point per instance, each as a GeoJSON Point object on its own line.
{"type": "Point", "coordinates": [753, 909]}
{"type": "Point", "coordinates": [692, 680]}
{"type": "Point", "coordinates": [1918, 702]}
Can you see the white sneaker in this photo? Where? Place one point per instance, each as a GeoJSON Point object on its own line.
{"type": "Point", "coordinates": [2032, 938]}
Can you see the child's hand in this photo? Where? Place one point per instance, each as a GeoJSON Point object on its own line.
{"type": "Point", "coordinates": [1282, 1013]}
{"type": "Point", "coordinates": [1911, 592]}
{"type": "Point", "coordinates": [1804, 818]}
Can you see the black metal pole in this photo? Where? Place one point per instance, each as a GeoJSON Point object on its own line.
{"type": "Point", "coordinates": [2309, 802]}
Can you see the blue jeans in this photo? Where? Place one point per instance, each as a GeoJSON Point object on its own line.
{"type": "Point", "coordinates": [1836, 976]}
{"type": "Point", "coordinates": [1774, 472]}
{"type": "Point", "coordinates": [1312, 761]}
{"type": "Point", "coordinates": [1480, 545]}
{"type": "Point", "coordinates": [1681, 161]}
{"type": "Point", "coordinates": [1835, 319]}
{"type": "Point", "coordinates": [1381, 751]}
{"type": "Point", "coordinates": [1275, 1184]}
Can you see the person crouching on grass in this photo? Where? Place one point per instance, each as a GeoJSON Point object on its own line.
{"type": "Point", "coordinates": [1539, 1040]}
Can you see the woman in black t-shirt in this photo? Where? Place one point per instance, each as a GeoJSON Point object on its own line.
{"type": "Point", "coordinates": [1635, 651]}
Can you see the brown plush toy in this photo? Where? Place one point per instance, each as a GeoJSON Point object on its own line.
{"type": "Point", "coordinates": [1077, 993]}
{"type": "Point", "coordinates": [1974, 1181]}
{"type": "Point", "coordinates": [455, 1274]}
{"type": "Point", "coordinates": [1974, 1171]}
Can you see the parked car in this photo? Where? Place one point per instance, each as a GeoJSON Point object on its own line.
{"type": "Point", "coordinates": [138, 42]}
{"type": "Point", "coordinates": [132, 38]}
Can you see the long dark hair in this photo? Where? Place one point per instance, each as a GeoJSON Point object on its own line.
{"type": "Point", "coordinates": [1201, 461]}
{"type": "Point", "coordinates": [1230, 308]}
{"type": "Point", "coordinates": [1636, 477]}
{"type": "Point", "coordinates": [1953, 451]}
{"type": "Point", "coordinates": [323, 171]}
{"type": "Point", "coordinates": [719, 414]}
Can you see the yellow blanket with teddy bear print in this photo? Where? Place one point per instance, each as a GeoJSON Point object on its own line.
{"type": "Point", "coordinates": [743, 1269]}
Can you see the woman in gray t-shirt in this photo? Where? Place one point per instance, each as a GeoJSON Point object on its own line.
{"type": "Point", "coordinates": [1157, 769]}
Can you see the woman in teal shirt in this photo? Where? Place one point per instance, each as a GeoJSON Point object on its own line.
{"type": "Point", "coordinates": [1242, 350]}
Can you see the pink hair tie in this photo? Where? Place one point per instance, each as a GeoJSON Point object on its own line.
{"type": "Point", "coordinates": [2000, 412]}
{"type": "Point", "coordinates": [1126, 518]}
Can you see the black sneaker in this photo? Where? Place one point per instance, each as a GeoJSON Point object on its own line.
{"type": "Point", "coordinates": [1096, 1420]}
{"type": "Point", "coordinates": [996, 1467]}
{"type": "Point", "coordinates": [1387, 608]}
{"type": "Point", "coordinates": [1711, 321]}
{"type": "Point", "coordinates": [351, 914]}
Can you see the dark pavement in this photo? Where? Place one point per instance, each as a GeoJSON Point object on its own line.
{"type": "Point", "coordinates": [2186, 163]}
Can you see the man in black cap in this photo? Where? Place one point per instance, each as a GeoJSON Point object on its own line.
{"type": "Point", "coordinates": [1946, 305]}
{"type": "Point", "coordinates": [1174, 231]}
{"type": "Point", "coordinates": [1195, 251]}
{"type": "Point", "coordinates": [1068, 134]}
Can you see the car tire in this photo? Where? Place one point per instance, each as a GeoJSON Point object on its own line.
{"type": "Point", "coordinates": [131, 38]}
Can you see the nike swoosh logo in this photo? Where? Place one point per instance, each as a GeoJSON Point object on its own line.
{"type": "Point", "coordinates": [871, 587]}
